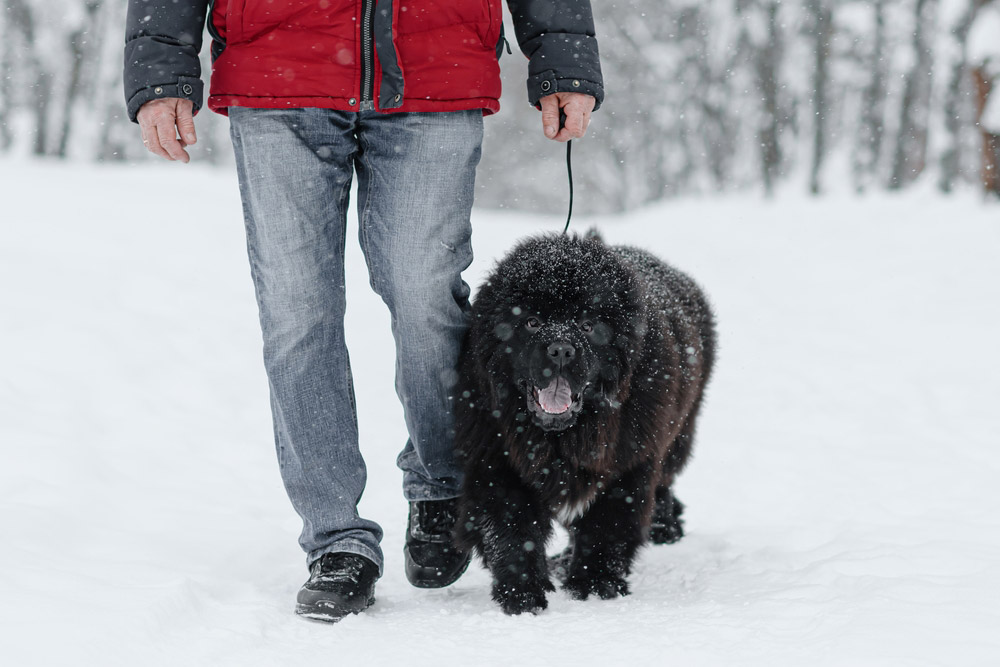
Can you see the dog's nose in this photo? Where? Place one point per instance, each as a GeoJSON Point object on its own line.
{"type": "Point", "coordinates": [561, 352]}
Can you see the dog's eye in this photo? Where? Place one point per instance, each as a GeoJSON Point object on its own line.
{"type": "Point", "coordinates": [532, 323]}
{"type": "Point", "coordinates": [586, 326]}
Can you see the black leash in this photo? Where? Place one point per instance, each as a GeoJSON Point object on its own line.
{"type": "Point", "coordinates": [569, 172]}
{"type": "Point", "coordinates": [569, 169]}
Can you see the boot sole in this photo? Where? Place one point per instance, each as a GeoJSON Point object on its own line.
{"type": "Point", "coordinates": [327, 612]}
{"type": "Point", "coordinates": [427, 577]}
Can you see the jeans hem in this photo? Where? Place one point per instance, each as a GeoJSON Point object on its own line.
{"type": "Point", "coordinates": [350, 547]}
{"type": "Point", "coordinates": [416, 495]}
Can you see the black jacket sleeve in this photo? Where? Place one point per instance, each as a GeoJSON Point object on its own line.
{"type": "Point", "coordinates": [558, 38]}
{"type": "Point", "coordinates": [162, 41]}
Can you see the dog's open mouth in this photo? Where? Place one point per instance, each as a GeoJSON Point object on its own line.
{"type": "Point", "coordinates": [556, 398]}
{"type": "Point", "coordinates": [554, 405]}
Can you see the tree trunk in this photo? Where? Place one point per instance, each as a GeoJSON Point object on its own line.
{"type": "Point", "coordinates": [954, 118]}
{"type": "Point", "coordinates": [6, 74]}
{"type": "Point", "coordinates": [823, 29]}
{"type": "Point", "coordinates": [42, 98]}
{"type": "Point", "coordinates": [83, 56]}
{"type": "Point", "coordinates": [911, 140]}
{"type": "Point", "coordinates": [72, 90]}
{"type": "Point", "coordinates": [868, 152]}
{"type": "Point", "coordinates": [768, 61]}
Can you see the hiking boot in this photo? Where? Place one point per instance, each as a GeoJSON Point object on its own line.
{"type": "Point", "coordinates": [339, 584]}
{"type": "Point", "coordinates": [432, 559]}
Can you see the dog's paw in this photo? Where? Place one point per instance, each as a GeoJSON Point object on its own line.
{"type": "Point", "coordinates": [521, 600]}
{"type": "Point", "coordinates": [668, 532]}
{"type": "Point", "coordinates": [667, 526]}
{"type": "Point", "coordinates": [606, 587]}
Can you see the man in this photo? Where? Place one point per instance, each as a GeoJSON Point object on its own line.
{"type": "Point", "coordinates": [393, 91]}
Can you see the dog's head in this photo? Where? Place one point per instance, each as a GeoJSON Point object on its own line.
{"type": "Point", "coordinates": [566, 319]}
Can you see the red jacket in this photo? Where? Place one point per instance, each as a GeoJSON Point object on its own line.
{"type": "Point", "coordinates": [312, 53]}
{"type": "Point", "coordinates": [390, 55]}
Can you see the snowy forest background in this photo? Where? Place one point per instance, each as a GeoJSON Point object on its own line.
{"type": "Point", "coordinates": [703, 96]}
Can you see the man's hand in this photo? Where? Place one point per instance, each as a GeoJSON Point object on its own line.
{"type": "Point", "coordinates": [162, 121]}
{"type": "Point", "coordinates": [577, 107]}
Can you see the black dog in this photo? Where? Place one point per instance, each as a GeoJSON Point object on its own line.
{"type": "Point", "coordinates": [580, 381]}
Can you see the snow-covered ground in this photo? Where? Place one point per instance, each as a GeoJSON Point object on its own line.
{"type": "Point", "coordinates": [843, 502]}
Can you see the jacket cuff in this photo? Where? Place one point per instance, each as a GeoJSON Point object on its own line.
{"type": "Point", "coordinates": [546, 83]}
{"type": "Point", "coordinates": [185, 87]}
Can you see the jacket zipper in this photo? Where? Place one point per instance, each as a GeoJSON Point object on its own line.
{"type": "Point", "coordinates": [367, 55]}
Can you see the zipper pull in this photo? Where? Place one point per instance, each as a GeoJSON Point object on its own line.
{"type": "Point", "coordinates": [502, 42]}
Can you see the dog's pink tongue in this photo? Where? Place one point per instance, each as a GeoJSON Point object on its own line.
{"type": "Point", "coordinates": [556, 398]}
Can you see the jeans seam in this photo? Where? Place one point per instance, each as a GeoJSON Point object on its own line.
{"type": "Point", "coordinates": [365, 215]}
{"type": "Point", "coordinates": [254, 257]}
{"type": "Point", "coordinates": [345, 192]}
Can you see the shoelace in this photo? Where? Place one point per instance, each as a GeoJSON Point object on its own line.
{"type": "Point", "coordinates": [339, 570]}
{"type": "Point", "coordinates": [432, 526]}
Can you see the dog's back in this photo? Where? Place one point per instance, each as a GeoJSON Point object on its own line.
{"type": "Point", "coordinates": [680, 310]}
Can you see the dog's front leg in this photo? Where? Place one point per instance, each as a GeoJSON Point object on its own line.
{"type": "Point", "coordinates": [607, 537]}
{"type": "Point", "coordinates": [507, 525]}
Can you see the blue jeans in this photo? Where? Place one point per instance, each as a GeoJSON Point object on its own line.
{"type": "Point", "coordinates": [416, 174]}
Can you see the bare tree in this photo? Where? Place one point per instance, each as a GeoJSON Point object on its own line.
{"type": "Point", "coordinates": [767, 46]}
{"type": "Point", "coordinates": [822, 32]}
{"type": "Point", "coordinates": [6, 78]}
{"type": "Point", "coordinates": [871, 126]}
{"type": "Point", "coordinates": [910, 155]}
{"type": "Point", "coordinates": [22, 33]}
{"type": "Point", "coordinates": [81, 58]}
{"type": "Point", "coordinates": [955, 111]}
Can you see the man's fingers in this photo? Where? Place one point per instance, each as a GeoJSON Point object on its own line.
{"type": "Point", "coordinates": [550, 116]}
{"type": "Point", "coordinates": [185, 122]}
{"type": "Point", "coordinates": [167, 134]}
{"type": "Point", "coordinates": [584, 123]}
{"type": "Point", "coordinates": [151, 141]}
{"type": "Point", "coordinates": [573, 128]}
{"type": "Point", "coordinates": [577, 108]}
{"type": "Point", "coordinates": [574, 121]}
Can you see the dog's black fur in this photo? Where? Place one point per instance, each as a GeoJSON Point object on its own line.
{"type": "Point", "coordinates": [617, 346]}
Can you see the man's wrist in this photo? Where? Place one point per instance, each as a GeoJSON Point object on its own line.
{"type": "Point", "coordinates": [546, 83]}
{"type": "Point", "coordinates": [185, 88]}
